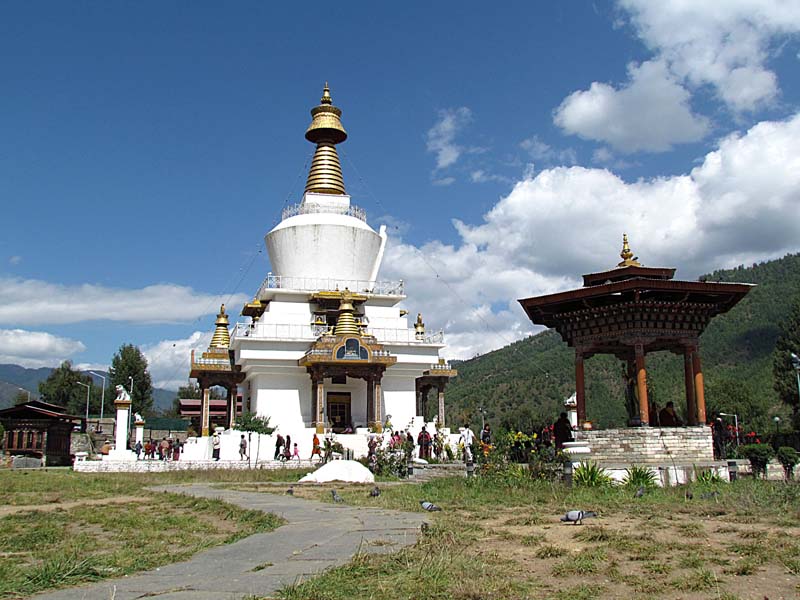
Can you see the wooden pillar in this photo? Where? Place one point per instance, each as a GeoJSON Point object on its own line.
{"type": "Point", "coordinates": [320, 405]}
{"type": "Point", "coordinates": [377, 404]}
{"type": "Point", "coordinates": [641, 385]}
{"type": "Point", "coordinates": [232, 397]}
{"type": "Point", "coordinates": [580, 387]}
{"type": "Point", "coordinates": [371, 401]}
{"type": "Point", "coordinates": [699, 393]}
{"type": "Point", "coordinates": [204, 412]}
{"type": "Point", "coordinates": [688, 376]}
{"type": "Point", "coordinates": [440, 390]}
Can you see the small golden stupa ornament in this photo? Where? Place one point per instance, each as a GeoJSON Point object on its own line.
{"type": "Point", "coordinates": [419, 328]}
{"type": "Point", "coordinates": [346, 323]}
{"type": "Point", "coordinates": [222, 337]}
{"type": "Point", "coordinates": [628, 259]}
{"type": "Point", "coordinates": [326, 130]}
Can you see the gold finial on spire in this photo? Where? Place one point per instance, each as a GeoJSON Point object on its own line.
{"type": "Point", "coordinates": [419, 328]}
{"type": "Point", "coordinates": [221, 337]}
{"type": "Point", "coordinates": [628, 259]}
{"type": "Point", "coordinates": [326, 130]}
{"type": "Point", "coordinates": [346, 324]}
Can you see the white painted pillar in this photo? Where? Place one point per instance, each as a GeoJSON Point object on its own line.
{"type": "Point", "coordinates": [139, 429]}
{"type": "Point", "coordinates": [123, 408]}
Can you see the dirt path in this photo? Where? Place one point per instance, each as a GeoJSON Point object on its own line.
{"type": "Point", "coordinates": [14, 509]}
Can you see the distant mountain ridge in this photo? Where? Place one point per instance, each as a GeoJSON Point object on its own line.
{"type": "Point", "coordinates": [523, 385]}
{"type": "Point", "coordinates": [13, 377]}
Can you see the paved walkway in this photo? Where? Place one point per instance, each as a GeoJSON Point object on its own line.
{"type": "Point", "coordinates": [316, 537]}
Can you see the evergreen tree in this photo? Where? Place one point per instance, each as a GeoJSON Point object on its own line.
{"type": "Point", "coordinates": [61, 388]}
{"type": "Point", "coordinates": [783, 368]}
{"type": "Point", "coordinates": [130, 362]}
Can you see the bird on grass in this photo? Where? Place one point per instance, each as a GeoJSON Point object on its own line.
{"type": "Point", "coordinates": [710, 495]}
{"type": "Point", "coordinates": [336, 497]}
{"type": "Point", "coordinates": [375, 492]}
{"type": "Point", "coordinates": [429, 506]}
{"type": "Point", "coordinates": [639, 492]}
{"type": "Point", "coordinates": [577, 516]}
{"type": "Point", "coordinates": [290, 491]}
{"type": "Point", "coordinates": [688, 495]}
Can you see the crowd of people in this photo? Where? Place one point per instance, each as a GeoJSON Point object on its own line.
{"type": "Point", "coordinates": [165, 449]}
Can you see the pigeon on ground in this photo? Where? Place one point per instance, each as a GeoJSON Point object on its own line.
{"type": "Point", "coordinates": [375, 492]}
{"type": "Point", "coordinates": [290, 491]}
{"type": "Point", "coordinates": [576, 516]}
{"type": "Point", "coordinates": [688, 495]}
{"type": "Point", "coordinates": [336, 497]}
{"type": "Point", "coordinates": [429, 506]}
{"type": "Point", "coordinates": [709, 495]}
{"type": "Point", "coordinates": [639, 492]}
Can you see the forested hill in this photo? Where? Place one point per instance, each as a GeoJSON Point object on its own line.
{"type": "Point", "coordinates": [523, 385]}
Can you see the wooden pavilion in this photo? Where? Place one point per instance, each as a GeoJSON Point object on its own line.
{"type": "Point", "coordinates": [41, 430]}
{"type": "Point", "coordinates": [215, 367]}
{"type": "Point", "coordinates": [630, 311]}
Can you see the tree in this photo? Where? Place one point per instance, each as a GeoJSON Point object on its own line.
{"type": "Point", "coordinates": [61, 388]}
{"type": "Point", "coordinates": [129, 362]}
{"type": "Point", "coordinates": [783, 370]}
{"type": "Point", "coordinates": [252, 423]}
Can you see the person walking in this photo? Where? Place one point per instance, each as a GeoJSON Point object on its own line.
{"type": "Point", "coordinates": [279, 442]}
{"type": "Point", "coordinates": [424, 441]}
{"type": "Point", "coordinates": [138, 449]}
{"type": "Point", "coordinates": [296, 452]}
{"type": "Point", "coordinates": [315, 449]}
{"type": "Point", "coordinates": [176, 450]}
{"type": "Point", "coordinates": [243, 448]}
{"type": "Point", "coordinates": [467, 439]}
{"type": "Point", "coordinates": [215, 445]}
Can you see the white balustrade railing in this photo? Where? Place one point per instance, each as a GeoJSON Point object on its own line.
{"type": "Point", "coordinates": [318, 284]}
{"type": "Point", "coordinates": [308, 208]}
{"type": "Point", "coordinates": [310, 332]}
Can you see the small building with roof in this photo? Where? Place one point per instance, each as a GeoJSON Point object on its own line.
{"type": "Point", "coordinates": [40, 430]}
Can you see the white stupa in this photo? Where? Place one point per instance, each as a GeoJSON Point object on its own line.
{"type": "Point", "coordinates": [327, 348]}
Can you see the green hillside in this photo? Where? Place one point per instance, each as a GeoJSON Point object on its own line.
{"type": "Point", "coordinates": [523, 385]}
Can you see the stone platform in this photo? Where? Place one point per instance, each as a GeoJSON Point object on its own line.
{"type": "Point", "coordinates": [649, 445]}
{"type": "Point", "coordinates": [160, 466]}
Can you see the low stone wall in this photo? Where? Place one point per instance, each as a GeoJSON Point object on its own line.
{"type": "Point", "coordinates": [160, 466]}
{"type": "Point", "coordinates": [649, 445]}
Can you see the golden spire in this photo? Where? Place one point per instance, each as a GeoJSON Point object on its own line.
{"type": "Point", "coordinates": [221, 338]}
{"type": "Point", "coordinates": [419, 328]}
{"type": "Point", "coordinates": [628, 259]}
{"type": "Point", "coordinates": [346, 324]}
{"type": "Point", "coordinates": [325, 175]}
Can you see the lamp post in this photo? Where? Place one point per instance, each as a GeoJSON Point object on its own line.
{"type": "Point", "coordinates": [102, 397]}
{"type": "Point", "coordinates": [777, 420]}
{"type": "Point", "coordinates": [735, 424]}
{"type": "Point", "coordinates": [130, 412]}
{"type": "Point", "coordinates": [796, 365]}
{"type": "Point", "coordinates": [88, 391]}
{"type": "Point", "coordinates": [483, 419]}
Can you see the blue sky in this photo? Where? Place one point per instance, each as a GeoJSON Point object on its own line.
{"type": "Point", "coordinates": [146, 148]}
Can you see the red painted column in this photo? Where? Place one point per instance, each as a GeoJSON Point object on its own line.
{"type": "Point", "coordinates": [641, 385]}
{"type": "Point", "coordinates": [580, 387]}
{"type": "Point", "coordinates": [698, 387]}
{"type": "Point", "coordinates": [688, 375]}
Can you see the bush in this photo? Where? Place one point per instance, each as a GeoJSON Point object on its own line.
{"type": "Point", "coordinates": [636, 477]}
{"type": "Point", "coordinates": [759, 456]}
{"type": "Point", "coordinates": [788, 457]}
{"type": "Point", "coordinates": [588, 474]}
{"type": "Point", "coordinates": [390, 463]}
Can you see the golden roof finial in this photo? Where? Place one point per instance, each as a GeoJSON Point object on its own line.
{"type": "Point", "coordinates": [346, 324]}
{"type": "Point", "coordinates": [221, 337]}
{"type": "Point", "coordinates": [628, 259]}
{"type": "Point", "coordinates": [326, 130]}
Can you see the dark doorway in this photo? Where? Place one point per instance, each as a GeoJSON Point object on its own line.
{"type": "Point", "coordinates": [339, 411]}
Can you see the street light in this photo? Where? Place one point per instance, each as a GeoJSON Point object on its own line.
{"type": "Point", "coordinates": [777, 420]}
{"type": "Point", "coordinates": [102, 398]}
{"type": "Point", "coordinates": [88, 391]}
{"type": "Point", "coordinates": [130, 412]}
{"type": "Point", "coordinates": [735, 423]}
{"type": "Point", "coordinates": [796, 365]}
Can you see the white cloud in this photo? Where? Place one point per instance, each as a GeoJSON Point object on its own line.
{"type": "Point", "coordinates": [651, 112]}
{"type": "Point", "coordinates": [541, 151]}
{"type": "Point", "coordinates": [15, 260]}
{"type": "Point", "coordinates": [31, 301]}
{"type": "Point", "coordinates": [738, 206]}
{"type": "Point", "coordinates": [441, 137]}
{"type": "Point", "coordinates": [722, 44]}
{"type": "Point", "coordinates": [35, 349]}
{"type": "Point", "coordinates": [169, 360]}
{"type": "Point", "coordinates": [481, 176]}
{"type": "Point", "coordinates": [444, 181]}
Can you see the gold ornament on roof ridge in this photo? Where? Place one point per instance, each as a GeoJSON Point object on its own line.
{"type": "Point", "coordinates": [221, 337]}
{"type": "Point", "coordinates": [628, 259]}
{"type": "Point", "coordinates": [346, 323]}
{"type": "Point", "coordinates": [326, 130]}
